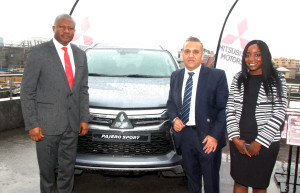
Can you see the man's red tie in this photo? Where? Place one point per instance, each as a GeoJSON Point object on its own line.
{"type": "Point", "coordinates": [68, 67]}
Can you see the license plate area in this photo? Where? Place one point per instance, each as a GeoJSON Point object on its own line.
{"type": "Point", "coordinates": [108, 137]}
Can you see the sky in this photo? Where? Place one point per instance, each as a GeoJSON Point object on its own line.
{"type": "Point", "coordinates": [159, 22]}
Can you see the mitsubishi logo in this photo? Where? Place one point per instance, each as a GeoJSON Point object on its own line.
{"type": "Point", "coordinates": [242, 28]}
{"type": "Point", "coordinates": [122, 122]}
{"type": "Point", "coordinates": [85, 26]}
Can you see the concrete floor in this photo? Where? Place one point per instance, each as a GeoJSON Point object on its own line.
{"type": "Point", "coordinates": [19, 173]}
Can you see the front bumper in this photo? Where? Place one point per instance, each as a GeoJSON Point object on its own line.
{"type": "Point", "coordinates": [170, 161]}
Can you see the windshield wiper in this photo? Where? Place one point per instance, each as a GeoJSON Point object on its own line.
{"type": "Point", "coordinates": [96, 74]}
{"type": "Point", "coordinates": [129, 75]}
{"type": "Point", "coordinates": [139, 75]}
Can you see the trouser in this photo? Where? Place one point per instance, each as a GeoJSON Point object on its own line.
{"type": "Point", "coordinates": [57, 151]}
{"type": "Point", "coordinates": [198, 164]}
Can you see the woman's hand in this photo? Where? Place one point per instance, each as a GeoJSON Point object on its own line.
{"type": "Point", "coordinates": [254, 148]}
{"type": "Point", "coordinates": [240, 145]}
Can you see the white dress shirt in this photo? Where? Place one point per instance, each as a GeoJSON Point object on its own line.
{"type": "Point", "coordinates": [192, 117]}
{"type": "Point", "coordinates": [61, 53]}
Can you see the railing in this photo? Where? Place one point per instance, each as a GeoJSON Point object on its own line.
{"type": "Point", "coordinates": [11, 82]}
{"type": "Point", "coordinates": [293, 92]}
{"type": "Point", "coordinates": [287, 178]}
{"type": "Point", "coordinates": [292, 89]}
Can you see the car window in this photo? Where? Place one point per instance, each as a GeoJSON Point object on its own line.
{"type": "Point", "coordinates": [126, 62]}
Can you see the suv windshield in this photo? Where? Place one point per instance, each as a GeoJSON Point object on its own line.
{"type": "Point", "coordinates": [130, 62]}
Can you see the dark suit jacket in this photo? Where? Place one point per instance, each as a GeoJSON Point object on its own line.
{"type": "Point", "coordinates": [46, 98]}
{"type": "Point", "coordinates": [211, 99]}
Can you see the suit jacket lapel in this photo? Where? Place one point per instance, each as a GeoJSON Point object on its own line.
{"type": "Point", "coordinates": [202, 83]}
{"type": "Point", "coordinates": [76, 60]}
{"type": "Point", "coordinates": [179, 87]}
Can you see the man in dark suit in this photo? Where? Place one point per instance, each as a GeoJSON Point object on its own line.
{"type": "Point", "coordinates": [196, 107]}
{"type": "Point", "coordinates": [55, 104]}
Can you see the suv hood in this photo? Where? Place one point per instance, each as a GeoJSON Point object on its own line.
{"type": "Point", "coordinates": [124, 92]}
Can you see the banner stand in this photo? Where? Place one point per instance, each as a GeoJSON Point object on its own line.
{"type": "Point", "coordinates": [288, 178]}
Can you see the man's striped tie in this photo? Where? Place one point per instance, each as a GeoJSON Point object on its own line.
{"type": "Point", "coordinates": [185, 110]}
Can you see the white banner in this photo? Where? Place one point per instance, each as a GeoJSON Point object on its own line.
{"type": "Point", "coordinates": [293, 130]}
{"type": "Point", "coordinates": [265, 20]}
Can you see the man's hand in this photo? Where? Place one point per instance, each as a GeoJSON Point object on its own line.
{"type": "Point", "coordinates": [211, 144]}
{"type": "Point", "coordinates": [36, 134]}
{"type": "Point", "coordinates": [84, 127]}
{"type": "Point", "coordinates": [254, 148]}
{"type": "Point", "coordinates": [240, 145]}
{"type": "Point", "coordinates": [178, 125]}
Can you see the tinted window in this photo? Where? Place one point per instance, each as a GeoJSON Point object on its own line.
{"type": "Point", "coordinates": [123, 62]}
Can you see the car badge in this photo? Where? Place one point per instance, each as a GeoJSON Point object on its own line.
{"type": "Point", "coordinates": [121, 122]}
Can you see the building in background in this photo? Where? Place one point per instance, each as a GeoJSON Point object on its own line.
{"type": "Point", "coordinates": [12, 61]}
{"type": "Point", "coordinates": [13, 56]}
{"type": "Point", "coordinates": [285, 71]}
{"type": "Point", "coordinates": [289, 66]}
{"type": "Point", "coordinates": [285, 62]}
{"type": "Point", "coordinates": [1, 41]}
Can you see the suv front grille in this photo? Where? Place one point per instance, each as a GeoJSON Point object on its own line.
{"type": "Point", "coordinates": [160, 144]}
{"type": "Point", "coordinates": [101, 121]}
{"type": "Point", "coordinates": [135, 122]}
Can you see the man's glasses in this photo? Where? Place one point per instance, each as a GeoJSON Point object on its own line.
{"type": "Point", "coordinates": [195, 52]}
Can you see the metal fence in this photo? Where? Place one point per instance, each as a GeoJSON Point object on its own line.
{"type": "Point", "coordinates": [11, 85]}
{"type": "Point", "coordinates": [293, 93]}
{"type": "Point", "coordinates": [292, 89]}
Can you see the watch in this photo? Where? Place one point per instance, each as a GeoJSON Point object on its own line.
{"type": "Point", "coordinates": [174, 119]}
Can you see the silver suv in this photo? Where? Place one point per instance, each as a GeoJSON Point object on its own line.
{"type": "Point", "coordinates": [129, 128]}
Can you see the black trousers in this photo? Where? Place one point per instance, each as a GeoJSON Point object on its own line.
{"type": "Point", "coordinates": [60, 151]}
{"type": "Point", "coordinates": [197, 164]}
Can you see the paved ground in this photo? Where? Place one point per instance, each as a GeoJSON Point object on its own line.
{"type": "Point", "coordinates": [19, 173]}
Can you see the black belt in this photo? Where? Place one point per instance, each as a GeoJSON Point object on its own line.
{"type": "Point", "coordinates": [192, 126]}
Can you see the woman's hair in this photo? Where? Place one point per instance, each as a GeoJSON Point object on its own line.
{"type": "Point", "coordinates": [270, 75]}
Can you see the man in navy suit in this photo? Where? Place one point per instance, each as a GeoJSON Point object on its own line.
{"type": "Point", "coordinates": [199, 132]}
